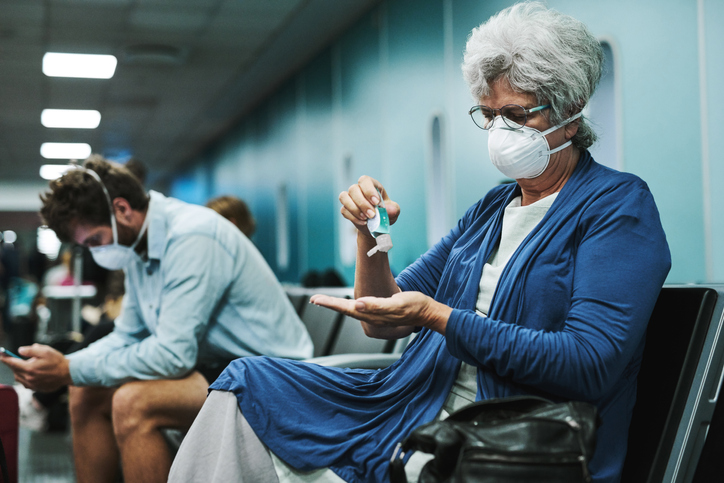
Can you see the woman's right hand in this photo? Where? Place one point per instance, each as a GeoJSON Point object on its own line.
{"type": "Point", "coordinates": [359, 201]}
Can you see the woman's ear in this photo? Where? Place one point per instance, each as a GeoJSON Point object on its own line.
{"type": "Point", "coordinates": [571, 128]}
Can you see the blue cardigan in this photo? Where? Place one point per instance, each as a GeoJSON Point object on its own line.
{"type": "Point", "coordinates": [567, 321]}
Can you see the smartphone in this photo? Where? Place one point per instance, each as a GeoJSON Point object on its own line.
{"type": "Point", "coordinates": [6, 352]}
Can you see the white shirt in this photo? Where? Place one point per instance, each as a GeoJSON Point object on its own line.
{"type": "Point", "coordinates": [518, 222]}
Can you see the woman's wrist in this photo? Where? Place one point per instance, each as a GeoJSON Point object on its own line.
{"type": "Point", "coordinates": [436, 317]}
{"type": "Point", "coordinates": [365, 240]}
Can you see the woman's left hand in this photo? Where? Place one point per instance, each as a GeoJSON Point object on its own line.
{"type": "Point", "coordinates": [403, 309]}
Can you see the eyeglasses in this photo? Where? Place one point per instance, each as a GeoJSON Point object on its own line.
{"type": "Point", "coordinates": [514, 116]}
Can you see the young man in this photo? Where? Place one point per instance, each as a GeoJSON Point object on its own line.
{"type": "Point", "coordinates": [198, 294]}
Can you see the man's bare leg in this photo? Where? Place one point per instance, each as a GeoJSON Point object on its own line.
{"type": "Point", "coordinates": [140, 410]}
{"type": "Point", "coordinates": [94, 444]}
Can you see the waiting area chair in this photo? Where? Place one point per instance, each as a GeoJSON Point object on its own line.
{"type": "Point", "coordinates": [673, 434]}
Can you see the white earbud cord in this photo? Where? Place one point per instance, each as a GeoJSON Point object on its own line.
{"type": "Point", "coordinates": [108, 199]}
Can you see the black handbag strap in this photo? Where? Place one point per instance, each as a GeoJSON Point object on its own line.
{"type": "Point", "coordinates": [4, 464]}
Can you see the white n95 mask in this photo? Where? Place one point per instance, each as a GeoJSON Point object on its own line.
{"type": "Point", "coordinates": [114, 256]}
{"type": "Point", "coordinates": [522, 153]}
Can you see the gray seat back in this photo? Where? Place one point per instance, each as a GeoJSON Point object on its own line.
{"type": "Point", "coordinates": [662, 443]}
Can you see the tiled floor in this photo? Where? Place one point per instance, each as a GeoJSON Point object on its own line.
{"type": "Point", "coordinates": [43, 457]}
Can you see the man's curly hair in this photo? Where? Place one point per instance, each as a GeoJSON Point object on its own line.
{"type": "Point", "coordinates": [77, 197]}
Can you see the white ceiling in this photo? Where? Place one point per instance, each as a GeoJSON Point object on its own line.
{"type": "Point", "coordinates": [187, 70]}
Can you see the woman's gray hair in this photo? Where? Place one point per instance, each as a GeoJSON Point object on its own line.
{"type": "Point", "coordinates": [539, 51]}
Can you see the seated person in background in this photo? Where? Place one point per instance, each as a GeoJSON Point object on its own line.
{"type": "Point", "coordinates": [61, 272]}
{"type": "Point", "coordinates": [198, 294]}
{"type": "Point", "coordinates": [236, 211]}
{"type": "Point", "coordinates": [544, 287]}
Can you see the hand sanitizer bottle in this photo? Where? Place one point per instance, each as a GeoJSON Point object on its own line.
{"type": "Point", "coordinates": [379, 228]}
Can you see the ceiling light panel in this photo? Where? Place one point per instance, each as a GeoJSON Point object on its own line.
{"type": "Point", "coordinates": [70, 118]}
{"type": "Point", "coordinates": [104, 3]}
{"type": "Point", "coordinates": [65, 150]}
{"type": "Point", "coordinates": [87, 66]}
{"type": "Point", "coordinates": [54, 171]}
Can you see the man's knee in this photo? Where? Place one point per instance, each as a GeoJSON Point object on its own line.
{"type": "Point", "coordinates": [141, 407]}
{"type": "Point", "coordinates": [132, 409]}
{"type": "Point", "coordinates": [85, 403]}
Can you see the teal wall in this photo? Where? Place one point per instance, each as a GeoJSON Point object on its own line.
{"type": "Point", "coordinates": [713, 99]}
{"type": "Point", "coordinates": [365, 106]}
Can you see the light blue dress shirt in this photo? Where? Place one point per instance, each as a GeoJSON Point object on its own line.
{"type": "Point", "coordinates": [203, 294]}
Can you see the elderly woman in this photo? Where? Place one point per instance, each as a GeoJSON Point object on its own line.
{"type": "Point", "coordinates": [544, 287]}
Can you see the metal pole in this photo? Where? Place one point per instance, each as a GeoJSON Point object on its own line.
{"type": "Point", "coordinates": [77, 280]}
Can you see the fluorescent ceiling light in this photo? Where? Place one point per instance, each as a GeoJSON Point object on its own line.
{"type": "Point", "coordinates": [70, 118]}
{"type": "Point", "coordinates": [54, 171]}
{"type": "Point", "coordinates": [48, 243]}
{"type": "Point", "coordinates": [65, 150]}
{"type": "Point", "coordinates": [79, 65]}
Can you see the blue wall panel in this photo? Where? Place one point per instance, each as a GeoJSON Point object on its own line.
{"type": "Point", "coordinates": [317, 194]}
{"type": "Point", "coordinates": [414, 92]}
{"type": "Point", "coordinates": [655, 63]}
{"type": "Point", "coordinates": [713, 18]}
{"type": "Point", "coordinates": [192, 186]}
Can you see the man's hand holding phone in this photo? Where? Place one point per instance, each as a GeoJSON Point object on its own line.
{"type": "Point", "coordinates": [38, 367]}
{"type": "Point", "coordinates": [5, 352]}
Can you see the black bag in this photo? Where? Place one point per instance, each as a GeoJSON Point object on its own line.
{"type": "Point", "coordinates": [517, 439]}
